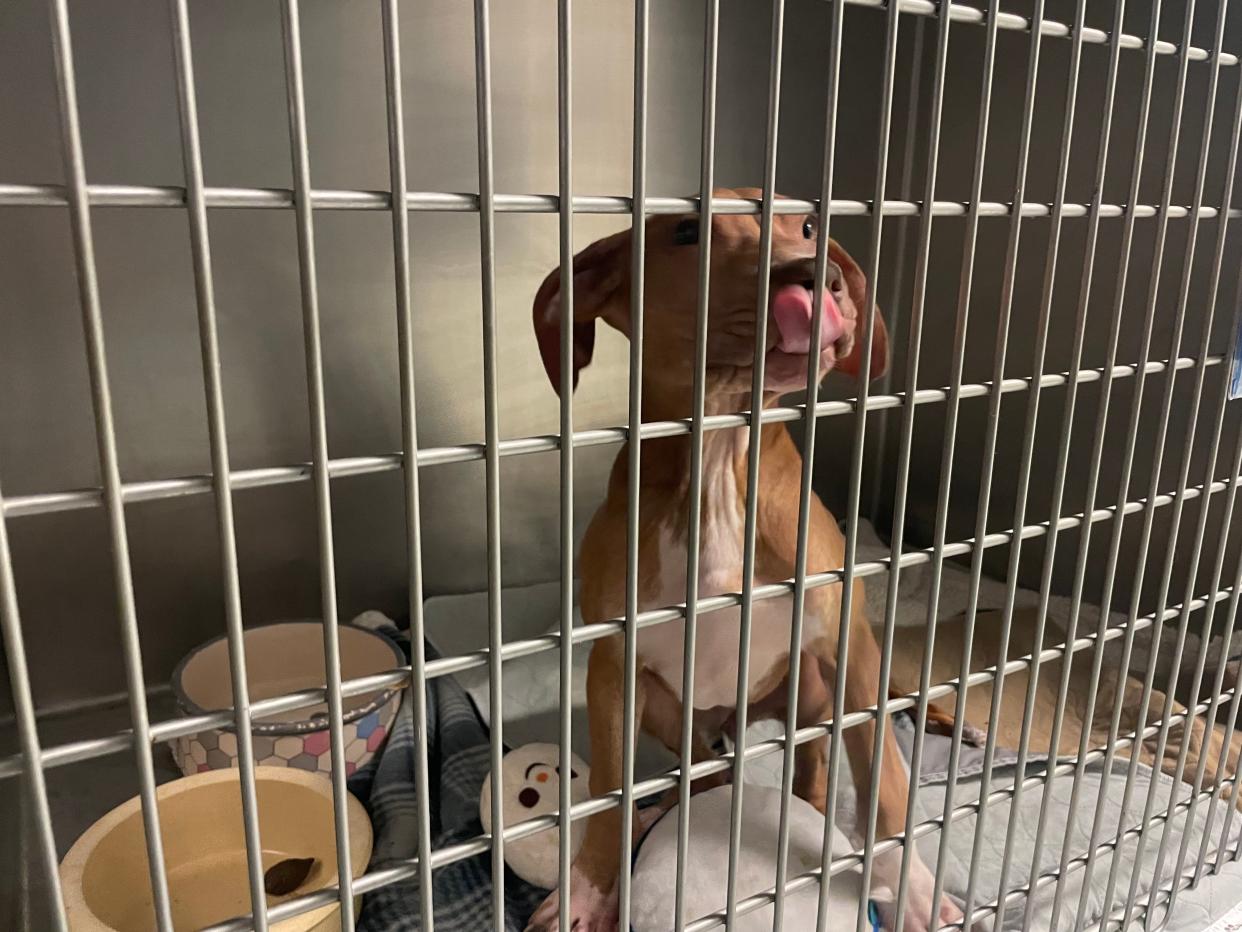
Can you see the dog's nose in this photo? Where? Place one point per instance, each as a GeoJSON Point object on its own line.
{"type": "Point", "coordinates": [834, 280]}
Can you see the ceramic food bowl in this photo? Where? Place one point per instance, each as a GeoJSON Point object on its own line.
{"type": "Point", "coordinates": [282, 658]}
{"type": "Point", "coordinates": [104, 875]}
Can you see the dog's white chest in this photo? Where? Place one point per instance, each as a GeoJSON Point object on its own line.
{"type": "Point", "coordinates": [662, 648]}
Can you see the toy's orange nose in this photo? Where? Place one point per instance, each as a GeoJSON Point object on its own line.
{"type": "Point", "coordinates": [542, 778]}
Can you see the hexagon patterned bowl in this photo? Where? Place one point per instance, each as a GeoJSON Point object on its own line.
{"type": "Point", "coordinates": [287, 657]}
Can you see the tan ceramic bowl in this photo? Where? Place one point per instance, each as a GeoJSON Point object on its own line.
{"type": "Point", "coordinates": [104, 875]}
{"type": "Point", "coordinates": [282, 658]}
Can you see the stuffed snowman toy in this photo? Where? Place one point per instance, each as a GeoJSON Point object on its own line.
{"type": "Point", "coordinates": [531, 787]}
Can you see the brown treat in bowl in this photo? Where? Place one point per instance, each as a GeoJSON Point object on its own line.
{"type": "Point", "coordinates": [283, 877]}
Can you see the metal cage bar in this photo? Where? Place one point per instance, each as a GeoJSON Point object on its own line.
{"type": "Point", "coordinates": [491, 418]}
{"type": "Point", "coordinates": [565, 162]}
{"type": "Point", "coordinates": [887, 82]}
{"type": "Point", "coordinates": [797, 622]}
{"type": "Point", "coordinates": [1217, 787]}
{"type": "Point", "coordinates": [391, 24]}
{"type": "Point", "coordinates": [638, 278]}
{"type": "Point", "coordinates": [910, 141]}
{"type": "Point", "coordinates": [1050, 28]}
{"type": "Point", "coordinates": [28, 736]}
{"type": "Point", "coordinates": [105, 435]}
{"type": "Point", "coordinates": [74, 751]}
{"type": "Point", "coordinates": [160, 489]}
{"type": "Point", "coordinates": [901, 492]}
{"type": "Point", "coordinates": [694, 522]}
{"type": "Point", "coordinates": [849, 571]}
{"type": "Point", "coordinates": [753, 450]}
{"type": "Point", "coordinates": [169, 196]}
{"type": "Point", "coordinates": [292, 32]}
{"type": "Point", "coordinates": [1219, 778]}
{"type": "Point", "coordinates": [209, 340]}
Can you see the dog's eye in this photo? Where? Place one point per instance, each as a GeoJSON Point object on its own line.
{"type": "Point", "coordinates": [808, 229]}
{"type": "Point", "coordinates": [687, 232]}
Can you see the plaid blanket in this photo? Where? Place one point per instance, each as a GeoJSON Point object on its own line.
{"type": "Point", "coordinates": [457, 763]}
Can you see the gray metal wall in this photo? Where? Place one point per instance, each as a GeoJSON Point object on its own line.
{"type": "Point", "coordinates": [130, 126]}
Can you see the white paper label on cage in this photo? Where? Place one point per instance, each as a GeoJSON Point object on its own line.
{"type": "Point", "coordinates": [1235, 366]}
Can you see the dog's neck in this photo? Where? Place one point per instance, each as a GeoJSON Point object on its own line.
{"type": "Point", "coordinates": [665, 464]}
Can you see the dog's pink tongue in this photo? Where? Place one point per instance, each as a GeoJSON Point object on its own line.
{"type": "Point", "coordinates": [792, 311]}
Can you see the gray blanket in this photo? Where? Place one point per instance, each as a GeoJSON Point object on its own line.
{"type": "Point", "coordinates": [1195, 909]}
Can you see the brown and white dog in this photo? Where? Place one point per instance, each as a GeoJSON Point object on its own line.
{"type": "Point", "coordinates": [601, 276]}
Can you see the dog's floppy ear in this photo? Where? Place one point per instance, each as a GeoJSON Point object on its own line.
{"type": "Point", "coordinates": [856, 283]}
{"type": "Point", "coordinates": [601, 281]}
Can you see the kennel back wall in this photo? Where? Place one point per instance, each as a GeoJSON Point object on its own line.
{"type": "Point", "coordinates": [128, 93]}
{"type": "Point", "coordinates": [130, 110]}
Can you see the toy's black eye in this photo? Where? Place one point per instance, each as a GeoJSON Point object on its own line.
{"type": "Point", "coordinates": [687, 232]}
{"type": "Point", "coordinates": [808, 230]}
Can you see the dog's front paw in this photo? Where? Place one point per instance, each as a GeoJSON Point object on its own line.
{"type": "Point", "coordinates": [589, 909]}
